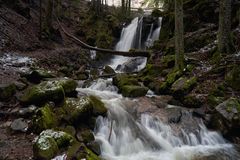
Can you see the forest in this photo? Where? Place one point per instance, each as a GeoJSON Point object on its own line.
{"type": "Point", "coordinates": [119, 79]}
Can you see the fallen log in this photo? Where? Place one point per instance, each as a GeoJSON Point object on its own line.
{"type": "Point", "coordinates": [132, 53]}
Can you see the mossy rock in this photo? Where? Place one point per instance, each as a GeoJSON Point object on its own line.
{"type": "Point", "coordinates": [7, 91]}
{"type": "Point", "coordinates": [69, 85]}
{"type": "Point", "coordinates": [227, 116]}
{"type": "Point", "coordinates": [45, 148]}
{"type": "Point", "coordinates": [82, 76]}
{"type": "Point", "coordinates": [79, 151]}
{"type": "Point", "coordinates": [173, 76]}
{"type": "Point", "coordinates": [213, 101]}
{"type": "Point", "coordinates": [183, 86]}
{"type": "Point", "coordinates": [87, 136]}
{"type": "Point", "coordinates": [233, 78]}
{"type": "Point", "coordinates": [108, 70]}
{"type": "Point", "coordinates": [44, 118]}
{"type": "Point", "coordinates": [192, 101]}
{"type": "Point", "coordinates": [48, 143]}
{"type": "Point", "coordinates": [78, 109]}
{"type": "Point", "coordinates": [94, 73]}
{"type": "Point", "coordinates": [43, 92]}
{"type": "Point", "coordinates": [134, 91]}
{"type": "Point", "coordinates": [123, 79]}
{"type": "Point", "coordinates": [168, 61]}
{"type": "Point", "coordinates": [98, 106]}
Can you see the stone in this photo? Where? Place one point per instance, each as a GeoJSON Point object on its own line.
{"type": "Point", "coordinates": [37, 75]}
{"type": "Point", "coordinates": [85, 136]}
{"type": "Point", "coordinates": [95, 147]}
{"type": "Point", "coordinates": [98, 106]}
{"type": "Point", "coordinates": [27, 111]}
{"type": "Point", "coordinates": [227, 117]}
{"type": "Point", "coordinates": [123, 79]}
{"type": "Point", "coordinates": [108, 70]}
{"type": "Point", "coordinates": [19, 125]}
{"type": "Point", "coordinates": [20, 85]}
{"type": "Point", "coordinates": [7, 91]}
{"type": "Point", "coordinates": [134, 91]}
{"type": "Point", "coordinates": [192, 101]}
{"type": "Point", "coordinates": [48, 143]}
{"type": "Point", "coordinates": [233, 78]}
{"type": "Point", "coordinates": [183, 86]}
{"type": "Point", "coordinates": [69, 85]}
{"type": "Point", "coordinates": [43, 92]}
{"type": "Point", "coordinates": [78, 109]}
{"type": "Point", "coordinates": [44, 119]}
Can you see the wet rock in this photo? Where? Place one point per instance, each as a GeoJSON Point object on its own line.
{"type": "Point", "coordinates": [28, 111]}
{"type": "Point", "coordinates": [98, 106]}
{"type": "Point", "coordinates": [227, 117]}
{"type": "Point", "coordinates": [70, 130]}
{"type": "Point", "coordinates": [85, 136]}
{"type": "Point", "coordinates": [69, 85]}
{"type": "Point", "coordinates": [19, 125]}
{"type": "Point", "coordinates": [108, 70]}
{"type": "Point", "coordinates": [7, 91]}
{"type": "Point", "coordinates": [131, 65]}
{"type": "Point", "coordinates": [183, 85]}
{"type": "Point", "coordinates": [82, 76]}
{"type": "Point", "coordinates": [94, 73]}
{"type": "Point", "coordinates": [95, 147]}
{"type": "Point", "coordinates": [45, 91]}
{"type": "Point", "coordinates": [48, 143]}
{"type": "Point", "coordinates": [134, 91]}
{"type": "Point", "coordinates": [123, 79]}
{"type": "Point", "coordinates": [44, 119]}
{"type": "Point", "coordinates": [80, 151]}
{"type": "Point", "coordinates": [78, 108]}
{"type": "Point", "coordinates": [174, 114]}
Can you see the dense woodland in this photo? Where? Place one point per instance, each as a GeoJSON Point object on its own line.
{"type": "Point", "coordinates": [59, 89]}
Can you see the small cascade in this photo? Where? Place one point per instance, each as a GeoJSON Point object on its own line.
{"type": "Point", "coordinates": [139, 34]}
{"type": "Point", "coordinates": [124, 137]}
{"type": "Point", "coordinates": [154, 35]}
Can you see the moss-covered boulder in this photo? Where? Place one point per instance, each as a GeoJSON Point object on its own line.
{"type": "Point", "coordinates": [79, 151]}
{"type": "Point", "coordinates": [192, 101]}
{"type": "Point", "coordinates": [233, 78]}
{"type": "Point", "coordinates": [98, 106]}
{"type": "Point", "coordinates": [7, 91]}
{"type": "Point", "coordinates": [44, 118]}
{"type": "Point", "coordinates": [183, 85]}
{"type": "Point", "coordinates": [69, 85]}
{"type": "Point", "coordinates": [108, 70]}
{"type": "Point", "coordinates": [134, 91]}
{"type": "Point", "coordinates": [48, 143]}
{"type": "Point", "coordinates": [85, 136]}
{"type": "Point", "coordinates": [78, 109]}
{"type": "Point", "coordinates": [227, 117]}
{"type": "Point", "coordinates": [43, 92]}
{"type": "Point", "coordinates": [121, 80]}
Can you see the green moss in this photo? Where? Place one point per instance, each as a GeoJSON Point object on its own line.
{"type": "Point", "coordinates": [134, 91]}
{"type": "Point", "coordinates": [173, 76]}
{"type": "Point", "coordinates": [45, 148]}
{"type": "Point", "coordinates": [98, 106]}
{"type": "Point", "coordinates": [87, 136]}
{"type": "Point", "coordinates": [213, 101]}
{"type": "Point", "coordinates": [108, 70]}
{"type": "Point", "coordinates": [7, 91]}
{"type": "Point", "coordinates": [233, 78]}
{"type": "Point", "coordinates": [183, 85]}
{"type": "Point", "coordinates": [192, 101]}
{"type": "Point", "coordinates": [69, 85]}
{"type": "Point", "coordinates": [44, 119]}
{"type": "Point", "coordinates": [123, 79]}
{"type": "Point", "coordinates": [78, 109]}
{"type": "Point", "coordinates": [45, 91]}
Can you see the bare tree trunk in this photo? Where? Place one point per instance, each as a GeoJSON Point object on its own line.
{"type": "Point", "coordinates": [40, 20]}
{"type": "Point", "coordinates": [225, 45]}
{"type": "Point", "coordinates": [179, 31]}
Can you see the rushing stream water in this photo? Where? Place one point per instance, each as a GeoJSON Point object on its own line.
{"type": "Point", "coordinates": [125, 137]}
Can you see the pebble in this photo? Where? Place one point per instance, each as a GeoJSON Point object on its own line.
{"type": "Point", "coordinates": [19, 125]}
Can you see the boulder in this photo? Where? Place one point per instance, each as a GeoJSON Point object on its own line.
{"type": "Point", "coordinates": [85, 136]}
{"type": "Point", "coordinates": [134, 91]}
{"type": "Point", "coordinates": [183, 86]}
{"type": "Point", "coordinates": [44, 119]}
{"type": "Point", "coordinates": [131, 65]}
{"type": "Point", "coordinates": [78, 109]}
{"type": "Point", "coordinates": [193, 101]}
{"type": "Point", "coordinates": [43, 92]}
{"type": "Point", "coordinates": [108, 70]}
{"type": "Point", "coordinates": [48, 143]}
{"type": "Point", "coordinates": [19, 125]}
{"type": "Point", "coordinates": [123, 79]}
{"type": "Point", "coordinates": [98, 106]}
{"type": "Point", "coordinates": [69, 85]}
{"type": "Point", "coordinates": [7, 91]}
{"type": "Point", "coordinates": [227, 117]}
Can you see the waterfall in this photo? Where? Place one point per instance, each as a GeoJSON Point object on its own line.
{"type": "Point", "coordinates": [154, 35]}
{"type": "Point", "coordinates": [147, 137]}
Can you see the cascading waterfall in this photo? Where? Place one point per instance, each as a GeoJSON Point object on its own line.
{"type": "Point", "coordinates": [154, 35]}
{"type": "Point", "coordinates": [149, 138]}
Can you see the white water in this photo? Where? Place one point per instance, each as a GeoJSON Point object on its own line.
{"type": "Point", "coordinates": [149, 138]}
{"type": "Point", "coordinates": [154, 35]}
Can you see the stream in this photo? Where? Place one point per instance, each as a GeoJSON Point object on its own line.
{"type": "Point", "coordinates": [123, 136]}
